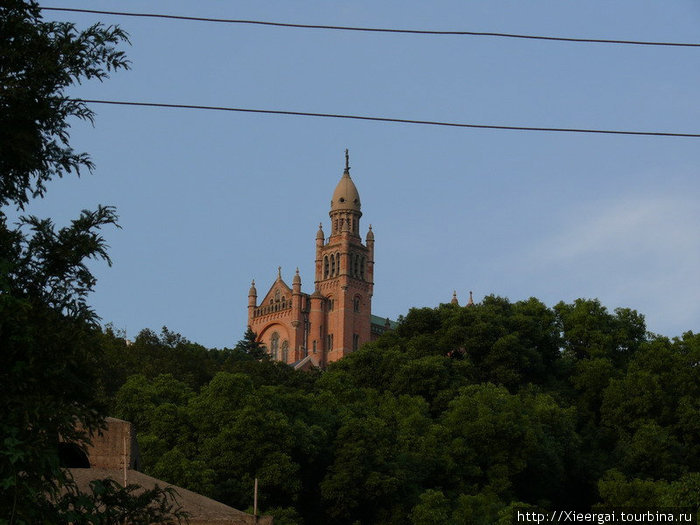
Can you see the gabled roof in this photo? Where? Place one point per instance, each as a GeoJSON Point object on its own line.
{"type": "Point", "coordinates": [201, 510]}
{"type": "Point", "coordinates": [304, 364]}
{"type": "Point", "coordinates": [280, 285]}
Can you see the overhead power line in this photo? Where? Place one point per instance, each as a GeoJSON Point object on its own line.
{"type": "Point", "coordinates": [388, 119]}
{"type": "Point", "coordinates": [374, 29]}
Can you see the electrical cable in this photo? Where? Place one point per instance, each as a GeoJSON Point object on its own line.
{"type": "Point", "coordinates": [389, 119]}
{"type": "Point", "coordinates": [375, 29]}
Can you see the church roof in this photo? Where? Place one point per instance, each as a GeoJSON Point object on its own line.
{"type": "Point", "coordinates": [306, 363]}
{"type": "Point", "coordinates": [381, 321]}
{"type": "Point", "coordinates": [346, 196]}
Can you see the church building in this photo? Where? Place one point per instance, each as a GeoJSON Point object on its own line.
{"type": "Point", "coordinates": [316, 329]}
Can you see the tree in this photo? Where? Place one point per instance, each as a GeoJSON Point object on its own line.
{"type": "Point", "coordinates": [153, 354]}
{"type": "Point", "coordinates": [250, 346]}
{"type": "Point", "coordinates": [48, 332]}
{"type": "Point", "coordinates": [433, 509]}
{"type": "Point", "coordinates": [40, 60]}
{"type": "Point", "coordinates": [591, 331]}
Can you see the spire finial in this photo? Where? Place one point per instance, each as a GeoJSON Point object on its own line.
{"type": "Point", "coordinates": [471, 300]}
{"type": "Point", "coordinates": [347, 160]}
{"type": "Point", "coordinates": [454, 297]}
{"type": "Point", "coordinates": [297, 270]}
{"type": "Point", "coordinates": [279, 272]}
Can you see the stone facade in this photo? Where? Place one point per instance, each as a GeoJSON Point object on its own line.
{"type": "Point", "coordinates": [111, 448]}
{"type": "Point", "coordinates": [115, 447]}
{"type": "Point", "coordinates": [319, 328]}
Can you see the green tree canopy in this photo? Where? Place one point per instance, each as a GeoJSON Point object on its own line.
{"type": "Point", "coordinates": [49, 334]}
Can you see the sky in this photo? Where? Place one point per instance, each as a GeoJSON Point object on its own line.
{"type": "Point", "coordinates": [210, 200]}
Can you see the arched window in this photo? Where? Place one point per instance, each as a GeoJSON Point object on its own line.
{"type": "Point", "coordinates": [274, 345]}
{"type": "Point", "coordinates": [285, 351]}
{"type": "Point", "coordinates": [337, 262]}
{"type": "Point", "coordinates": [332, 265]}
{"type": "Point", "coordinates": [356, 304]}
{"type": "Point", "coordinates": [362, 268]}
{"type": "Point", "coordinates": [325, 267]}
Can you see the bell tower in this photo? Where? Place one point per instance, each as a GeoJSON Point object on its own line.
{"type": "Point", "coordinates": [344, 277]}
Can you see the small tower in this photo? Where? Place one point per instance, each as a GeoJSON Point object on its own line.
{"type": "Point", "coordinates": [296, 283]}
{"type": "Point", "coordinates": [298, 319]}
{"type": "Point", "coordinates": [317, 328]}
{"type": "Point", "coordinates": [252, 301]}
{"type": "Point", "coordinates": [369, 240]}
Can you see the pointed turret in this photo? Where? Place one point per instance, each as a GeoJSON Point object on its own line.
{"type": "Point", "coordinates": [370, 234]}
{"type": "Point", "coordinates": [370, 256]}
{"type": "Point", "coordinates": [252, 302]}
{"type": "Point", "coordinates": [454, 298]}
{"type": "Point", "coordinates": [471, 300]}
{"type": "Point", "coordinates": [296, 283]}
{"type": "Point", "coordinates": [252, 295]}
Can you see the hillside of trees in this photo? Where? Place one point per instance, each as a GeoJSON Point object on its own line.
{"type": "Point", "coordinates": [458, 416]}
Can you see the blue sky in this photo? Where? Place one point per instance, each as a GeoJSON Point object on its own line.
{"type": "Point", "coordinates": [208, 201]}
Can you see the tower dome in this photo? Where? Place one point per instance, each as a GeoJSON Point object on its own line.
{"type": "Point", "coordinates": [346, 197]}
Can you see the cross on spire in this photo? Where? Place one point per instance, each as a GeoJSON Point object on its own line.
{"type": "Point", "coordinates": [347, 160]}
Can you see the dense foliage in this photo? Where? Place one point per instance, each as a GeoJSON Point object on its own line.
{"type": "Point", "coordinates": [49, 336]}
{"type": "Point", "coordinates": [457, 416]}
